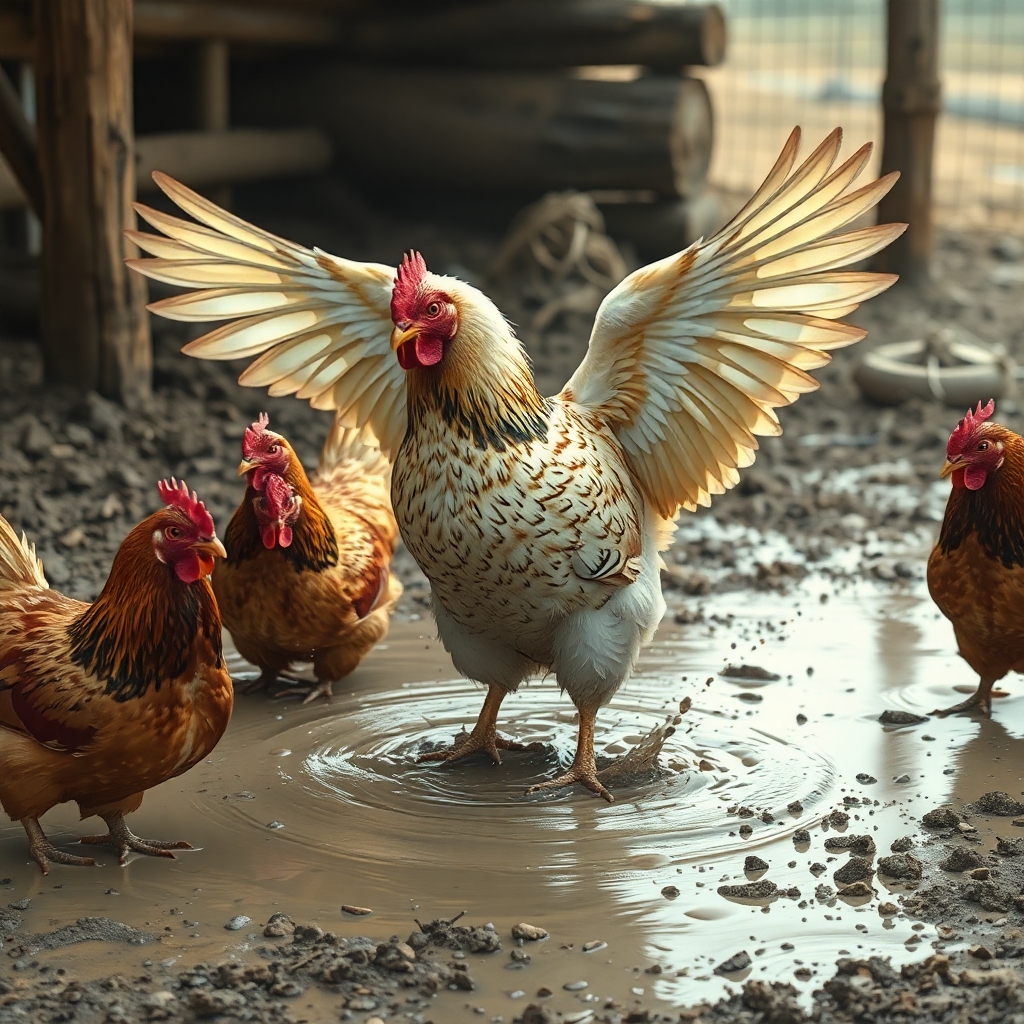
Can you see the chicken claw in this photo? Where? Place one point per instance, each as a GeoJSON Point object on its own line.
{"type": "Point", "coordinates": [584, 765]}
{"type": "Point", "coordinates": [124, 841]}
{"type": "Point", "coordinates": [43, 851]}
{"type": "Point", "coordinates": [310, 693]}
{"type": "Point", "coordinates": [484, 736]}
{"type": "Point", "coordinates": [980, 700]}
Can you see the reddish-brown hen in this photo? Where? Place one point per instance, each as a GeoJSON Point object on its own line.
{"type": "Point", "coordinates": [100, 702]}
{"type": "Point", "coordinates": [976, 571]}
{"type": "Point", "coordinates": [307, 574]}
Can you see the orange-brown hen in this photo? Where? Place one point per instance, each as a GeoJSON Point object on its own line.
{"type": "Point", "coordinates": [100, 702]}
{"type": "Point", "coordinates": [976, 571]}
{"type": "Point", "coordinates": [307, 574]}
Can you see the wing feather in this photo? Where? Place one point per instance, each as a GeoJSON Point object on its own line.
{"type": "Point", "coordinates": [318, 326]}
{"type": "Point", "coordinates": [690, 356]}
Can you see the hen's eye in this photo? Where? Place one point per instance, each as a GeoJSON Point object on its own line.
{"type": "Point", "coordinates": [172, 533]}
{"type": "Point", "coordinates": [433, 309]}
{"type": "Point", "coordinates": [983, 447]}
{"type": "Point", "coordinates": [274, 449]}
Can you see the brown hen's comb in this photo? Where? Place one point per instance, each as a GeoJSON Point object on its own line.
{"type": "Point", "coordinates": [965, 429]}
{"type": "Point", "coordinates": [176, 495]}
{"type": "Point", "coordinates": [411, 272]}
{"type": "Point", "coordinates": [253, 433]}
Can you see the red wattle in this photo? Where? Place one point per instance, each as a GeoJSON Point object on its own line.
{"type": "Point", "coordinates": [284, 537]}
{"type": "Point", "coordinates": [269, 535]}
{"type": "Point", "coordinates": [429, 350]}
{"type": "Point", "coordinates": [974, 478]}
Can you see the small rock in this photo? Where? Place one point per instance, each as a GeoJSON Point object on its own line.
{"type": "Point", "coordinates": [999, 803]}
{"type": "Point", "coordinates": [854, 870]}
{"type": "Point", "coordinates": [902, 844]}
{"type": "Point", "coordinates": [596, 944]}
{"type": "Point", "coordinates": [941, 817]}
{"type": "Point", "coordinates": [23, 904]}
{"type": "Point", "coordinates": [839, 819]}
{"type": "Point", "coordinates": [347, 908]}
{"type": "Point", "coordinates": [960, 858]}
{"type": "Point", "coordinates": [823, 893]}
{"type": "Point", "coordinates": [754, 863]}
{"type": "Point", "coordinates": [750, 672]}
{"type": "Point", "coordinates": [750, 891]}
{"type": "Point", "coordinates": [236, 924]}
{"type": "Point", "coordinates": [888, 909]}
{"type": "Point", "coordinates": [855, 890]}
{"type": "Point", "coordinates": [863, 845]}
{"type": "Point", "coordinates": [890, 717]}
{"type": "Point", "coordinates": [206, 1003]}
{"type": "Point", "coordinates": [866, 780]}
{"type": "Point", "coordinates": [817, 868]}
{"type": "Point", "coordinates": [980, 952]}
{"type": "Point", "coordinates": [670, 892]}
{"type": "Point", "coordinates": [737, 962]}
{"type": "Point", "coordinates": [528, 932]}
{"type": "Point", "coordinates": [575, 986]}
{"type": "Point", "coordinates": [901, 866]}
{"type": "Point", "coordinates": [801, 835]}
{"type": "Point", "coordinates": [746, 830]}
{"type": "Point", "coordinates": [795, 808]}
{"type": "Point", "coordinates": [278, 926]}
{"type": "Point", "coordinates": [1009, 847]}
{"type": "Point", "coordinates": [901, 780]}
{"type": "Point", "coordinates": [35, 438]}
{"type": "Point", "coordinates": [980, 874]}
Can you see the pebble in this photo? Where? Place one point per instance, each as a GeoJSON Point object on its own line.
{"type": "Point", "coordinates": [980, 952]}
{"type": "Point", "coordinates": [596, 944]}
{"type": "Point", "coordinates": [901, 780]}
{"type": "Point", "coordinates": [902, 844]}
{"type": "Point", "coordinates": [528, 932]}
{"type": "Point", "coordinates": [866, 780]}
{"type": "Point", "coordinates": [999, 803]}
{"type": "Point", "coordinates": [347, 908]}
{"type": "Point", "coordinates": [900, 866]}
{"type": "Point", "coordinates": [275, 824]}
{"type": "Point", "coordinates": [838, 819]}
{"type": "Point", "coordinates": [670, 892]}
{"type": "Point", "coordinates": [941, 817]}
{"type": "Point", "coordinates": [801, 835]}
{"type": "Point", "coordinates": [864, 845]}
{"type": "Point", "coordinates": [746, 830]}
{"type": "Point", "coordinates": [278, 926]}
{"type": "Point", "coordinates": [236, 924]}
{"type": "Point", "coordinates": [980, 874]}
{"type": "Point", "coordinates": [959, 858]}
{"type": "Point", "coordinates": [856, 890]}
{"type": "Point", "coordinates": [22, 904]}
{"type": "Point", "coordinates": [575, 986]}
{"type": "Point", "coordinates": [750, 891]}
{"type": "Point", "coordinates": [754, 863]}
{"type": "Point", "coordinates": [900, 718]}
{"type": "Point", "coordinates": [888, 909]}
{"type": "Point", "coordinates": [854, 870]}
{"type": "Point", "coordinates": [737, 962]}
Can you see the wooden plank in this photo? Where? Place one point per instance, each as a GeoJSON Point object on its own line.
{"type": "Point", "coordinates": [911, 99]}
{"type": "Point", "coordinates": [547, 34]}
{"type": "Point", "coordinates": [206, 159]}
{"type": "Point", "coordinates": [94, 326]}
{"type": "Point", "coordinates": [18, 144]}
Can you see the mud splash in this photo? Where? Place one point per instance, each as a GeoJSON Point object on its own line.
{"type": "Point", "coordinates": [306, 809]}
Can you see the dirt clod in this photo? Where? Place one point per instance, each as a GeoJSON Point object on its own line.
{"type": "Point", "coordinates": [737, 962]}
{"type": "Point", "coordinates": [854, 870]}
{"type": "Point", "coordinates": [890, 717]}
{"type": "Point", "coordinates": [959, 858]}
{"type": "Point", "coordinates": [901, 866]}
{"type": "Point", "coordinates": [750, 890]}
{"type": "Point", "coordinates": [941, 817]}
{"type": "Point", "coordinates": [864, 845]}
{"type": "Point", "coordinates": [754, 863]}
{"type": "Point", "coordinates": [999, 803]}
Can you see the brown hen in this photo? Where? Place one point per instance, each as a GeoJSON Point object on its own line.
{"type": "Point", "coordinates": [307, 574]}
{"type": "Point", "coordinates": [100, 702]}
{"type": "Point", "coordinates": [976, 571]}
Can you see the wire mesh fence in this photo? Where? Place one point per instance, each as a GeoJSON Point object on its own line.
{"type": "Point", "coordinates": [821, 63]}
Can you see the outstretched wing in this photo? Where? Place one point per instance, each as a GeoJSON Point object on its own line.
{"type": "Point", "coordinates": [690, 356]}
{"type": "Point", "coordinates": [319, 325]}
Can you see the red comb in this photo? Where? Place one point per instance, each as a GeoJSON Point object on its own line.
{"type": "Point", "coordinates": [176, 495]}
{"type": "Point", "coordinates": [253, 432]}
{"type": "Point", "coordinates": [410, 276]}
{"type": "Point", "coordinates": [965, 429]}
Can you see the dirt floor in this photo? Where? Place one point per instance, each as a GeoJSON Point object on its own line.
{"type": "Point", "coordinates": [832, 523]}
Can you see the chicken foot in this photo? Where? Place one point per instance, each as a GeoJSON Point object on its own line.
{"type": "Point", "coordinates": [484, 736]}
{"type": "Point", "coordinates": [981, 700]}
{"type": "Point", "coordinates": [584, 764]}
{"type": "Point", "coordinates": [43, 851]}
{"type": "Point", "coordinates": [124, 841]}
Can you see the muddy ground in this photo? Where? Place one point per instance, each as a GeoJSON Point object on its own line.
{"type": "Point", "coordinates": [847, 493]}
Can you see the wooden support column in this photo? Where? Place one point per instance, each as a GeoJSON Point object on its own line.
{"type": "Point", "coordinates": [95, 329]}
{"type": "Point", "coordinates": [214, 95]}
{"type": "Point", "coordinates": [18, 143]}
{"type": "Point", "coordinates": [911, 100]}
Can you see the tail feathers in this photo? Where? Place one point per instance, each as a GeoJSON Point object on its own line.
{"type": "Point", "coordinates": [355, 451]}
{"type": "Point", "coordinates": [19, 566]}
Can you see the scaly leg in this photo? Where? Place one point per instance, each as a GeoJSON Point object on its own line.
{"type": "Point", "coordinates": [980, 699]}
{"type": "Point", "coordinates": [584, 765]}
{"type": "Point", "coordinates": [264, 681]}
{"type": "Point", "coordinates": [483, 737]}
{"type": "Point", "coordinates": [121, 838]}
{"type": "Point", "coordinates": [310, 693]}
{"type": "Point", "coordinates": [43, 851]}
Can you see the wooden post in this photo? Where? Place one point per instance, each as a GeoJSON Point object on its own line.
{"type": "Point", "coordinates": [18, 143]}
{"type": "Point", "coordinates": [95, 329]}
{"type": "Point", "coordinates": [214, 95]}
{"type": "Point", "coordinates": [911, 99]}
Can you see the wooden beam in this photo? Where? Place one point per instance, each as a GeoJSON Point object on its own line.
{"type": "Point", "coordinates": [18, 144]}
{"type": "Point", "coordinates": [911, 99]}
{"type": "Point", "coordinates": [94, 326]}
{"type": "Point", "coordinates": [547, 34]}
{"type": "Point", "coordinates": [206, 159]}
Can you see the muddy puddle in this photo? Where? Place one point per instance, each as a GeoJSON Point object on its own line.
{"type": "Point", "coordinates": [304, 809]}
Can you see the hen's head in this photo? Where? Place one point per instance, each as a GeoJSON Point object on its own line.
{"type": "Point", "coordinates": [277, 508]}
{"type": "Point", "coordinates": [183, 533]}
{"type": "Point", "coordinates": [975, 449]}
{"type": "Point", "coordinates": [263, 453]}
{"type": "Point", "coordinates": [426, 317]}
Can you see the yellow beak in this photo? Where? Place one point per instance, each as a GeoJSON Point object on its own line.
{"type": "Point", "coordinates": [245, 466]}
{"type": "Point", "coordinates": [949, 467]}
{"type": "Point", "coordinates": [400, 335]}
{"type": "Point", "coordinates": [213, 548]}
